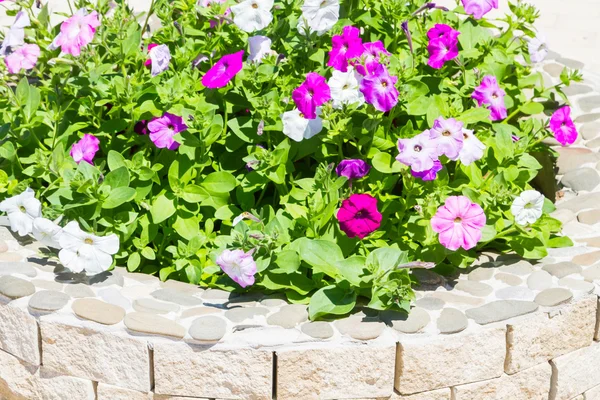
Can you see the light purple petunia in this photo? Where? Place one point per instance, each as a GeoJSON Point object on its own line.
{"type": "Point", "coordinates": [24, 57]}
{"type": "Point", "coordinates": [379, 89]}
{"type": "Point", "coordinates": [443, 45]}
{"type": "Point", "coordinates": [85, 149]}
{"type": "Point", "coordinates": [490, 94]}
{"type": "Point", "coordinates": [238, 265]}
{"type": "Point", "coordinates": [419, 152]}
{"type": "Point", "coordinates": [430, 174]}
{"type": "Point", "coordinates": [346, 46]}
{"type": "Point", "coordinates": [563, 127]}
{"type": "Point", "coordinates": [164, 128]}
{"type": "Point", "coordinates": [478, 8]}
{"type": "Point", "coordinates": [448, 135]}
{"type": "Point", "coordinates": [312, 93]}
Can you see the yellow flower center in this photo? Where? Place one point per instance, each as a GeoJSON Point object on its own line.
{"type": "Point", "coordinates": [88, 241]}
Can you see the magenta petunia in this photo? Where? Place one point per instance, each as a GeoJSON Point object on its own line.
{"type": "Point", "coordinates": [371, 57]}
{"type": "Point", "coordinates": [359, 216]}
{"type": "Point", "coordinates": [459, 223]}
{"type": "Point", "coordinates": [312, 93]}
{"type": "Point", "coordinates": [448, 136]}
{"type": "Point", "coordinates": [148, 62]}
{"type": "Point", "coordinates": [141, 127]}
{"type": "Point", "coordinates": [85, 149]}
{"type": "Point", "coordinates": [163, 129]}
{"type": "Point", "coordinates": [346, 46]}
{"type": "Point", "coordinates": [443, 45]}
{"type": "Point", "coordinates": [563, 127]}
{"type": "Point", "coordinates": [490, 94]}
{"type": "Point", "coordinates": [419, 152]}
{"type": "Point", "coordinates": [352, 168]}
{"type": "Point", "coordinates": [478, 8]}
{"type": "Point", "coordinates": [77, 32]}
{"type": "Point", "coordinates": [379, 89]}
{"type": "Point", "coordinates": [24, 57]}
{"type": "Point", "coordinates": [224, 70]}
{"type": "Point", "coordinates": [430, 174]}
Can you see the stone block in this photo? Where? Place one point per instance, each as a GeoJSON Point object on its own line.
{"type": "Point", "coordinates": [342, 372]}
{"type": "Point", "coordinates": [592, 394]}
{"type": "Point", "coordinates": [539, 337]}
{"type": "Point", "coordinates": [99, 356]}
{"type": "Point", "coordinates": [19, 334]}
{"type": "Point", "coordinates": [182, 369]}
{"type": "Point", "coordinates": [109, 392]}
{"type": "Point", "coordinates": [575, 373]}
{"type": "Point", "coordinates": [440, 394]}
{"type": "Point", "coordinates": [532, 383]}
{"type": "Point", "coordinates": [438, 362]}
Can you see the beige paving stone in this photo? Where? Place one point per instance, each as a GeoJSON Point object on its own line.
{"type": "Point", "coordinates": [440, 394]}
{"type": "Point", "coordinates": [575, 373]}
{"type": "Point", "coordinates": [19, 334]}
{"type": "Point", "coordinates": [109, 392]}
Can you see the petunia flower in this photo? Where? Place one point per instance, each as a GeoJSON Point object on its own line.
{"type": "Point", "coordinates": [207, 3]}
{"type": "Point", "coordinates": [312, 93]}
{"type": "Point", "coordinates": [15, 37]}
{"type": "Point", "coordinates": [238, 265]}
{"type": "Point", "coordinates": [472, 149]}
{"type": "Point", "coordinates": [448, 135]}
{"type": "Point", "coordinates": [359, 216]}
{"type": "Point", "coordinates": [46, 232]}
{"type": "Point", "coordinates": [260, 47]}
{"type": "Point", "coordinates": [83, 251]}
{"type": "Point", "coordinates": [298, 128]}
{"type": "Point", "coordinates": [563, 127]}
{"type": "Point", "coordinates": [76, 32]}
{"type": "Point", "coordinates": [478, 8]}
{"type": "Point", "coordinates": [379, 89]}
{"type": "Point", "coordinates": [419, 152]}
{"type": "Point", "coordinates": [490, 94]}
{"type": "Point", "coordinates": [163, 129]}
{"type": "Point", "coordinates": [141, 127]}
{"type": "Point", "coordinates": [85, 149]}
{"type": "Point", "coordinates": [346, 46]}
{"type": "Point", "coordinates": [459, 223]}
{"type": "Point", "coordinates": [538, 49]}
{"type": "Point", "coordinates": [160, 57]}
{"type": "Point", "coordinates": [252, 15]}
{"type": "Point", "coordinates": [352, 168]}
{"type": "Point", "coordinates": [371, 57]}
{"type": "Point", "coordinates": [321, 15]}
{"type": "Point", "coordinates": [527, 208]}
{"type": "Point", "coordinates": [430, 174]}
{"type": "Point", "coordinates": [443, 45]}
{"type": "Point", "coordinates": [345, 88]}
{"type": "Point", "coordinates": [24, 57]}
{"type": "Point", "coordinates": [21, 210]}
{"type": "Point", "coordinates": [148, 62]}
{"type": "Point", "coordinates": [223, 71]}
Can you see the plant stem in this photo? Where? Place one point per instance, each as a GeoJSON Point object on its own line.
{"type": "Point", "coordinates": [150, 11]}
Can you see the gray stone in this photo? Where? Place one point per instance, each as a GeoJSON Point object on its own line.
{"type": "Point", "coordinates": [452, 320]}
{"type": "Point", "coordinates": [114, 296]}
{"type": "Point", "coordinates": [562, 269]}
{"type": "Point", "coordinates": [453, 298]}
{"type": "Point", "coordinates": [593, 144]}
{"type": "Point", "coordinates": [575, 89]}
{"type": "Point", "coordinates": [475, 288]}
{"type": "Point", "coordinates": [216, 294]}
{"type": "Point", "coordinates": [98, 311]}
{"type": "Point", "coordinates": [581, 202]}
{"type": "Point", "coordinates": [515, 293]}
{"type": "Point", "coordinates": [177, 297]}
{"type": "Point", "coordinates": [521, 267]}
{"type": "Point", "coordinates": [590, 131]}
{"type": "Point", "coordinates": [365, 330]}
{"type": "Point", "coordinates": [181, 286]}
{"type": "Point", "coordinates": [430, 303]}
{"type": "Point", "coordinates": [197, 311]}
{"type": "Point", "coordinates": [48, 285]}
{"type": "Point", "coordinates": [208, 329]}
{"type": "Point", "coordinates": [552, 55]}
{"type": "Point", "coordinates": [587, 118]}
{"type": "Point", "coordinates": [483, 273]}
{"type": "Point", "coordinates": [592, 273]}
{"type": "Point", "coordinates": [273, 302]}
{"type": "Point", "coordinates": [553, 297]}
{"type": "Point", "coordinates": [15, 288]}
{"type": "Point", "coordinates": [589, 217]}
{"type": "Point", "coordinates": [500, 310]}
{"type": "Point", "coordinates": [587, 258]}
{"type": "Point", "coordinates": [553, 69]}
{"type": "Point", "coordinates": [154, 306]}
{"type": "Point", "coordinates": [153, 324]}
{"type": "Point", "coordinates": [539, 280]}
{"type": "Point", "coordinates": [238, 315]}
{"type": "Point", "coordinates": [139, 277]}
{"type": "Point", "coordinates": [428, 278]}
{"type": "Point", "coordinates": [48, 300]}
{"type": "Point", "coordinates": [573, 158]}
{"type": "Point", "coordinates": [22, 268]}
{"type": "Point", "coordinates": [577, 284]}
{"type": "Point", "coordinates": [79, 290]}
{"type": "Point", "coordinates": [581, 179]}
{"type": "Point", "coordinates": [107, 278]}
{"type": "Point", "coordinates": [318, 330]}
{"type": "Point", "coordinates": [589, 103]}
{"type": "Point", "coordinates": [289, 316]}
{"type": "Point", "coordinates": [3, 246]}
{"type": "Point", "coordinates": [417, 319]}
{"type": "Point", "coordinates": [10, 257]}
{"type": "Point", "coordinates": [509, 279]}
{"type": "Point", "coordinates": [573, 64]}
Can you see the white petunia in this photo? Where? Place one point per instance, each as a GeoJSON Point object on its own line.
{"type": "Point", "coordinates": [472, 149]}
{"type": "Point", "coordinates": [252, 15]}
{"type": "Point", "coordinates": [46, 232]}
{"type": "Point", "coordinates": [83, 251]}
{"type": "Point", "coordinates": [22, 209]}
{"type": "Point", "coordinates": [297, 128]}
{"type": "Point", "coordinates": [15, 37]}
{"type": "Point", "coordinates": [160, 57]}
{"type": "Point", "coordinates": [260, 46]}
{"type": "Point", "coordinates": [321, 15]}
{"type": "Point", "coordinates": [538, 50]}
{"type": "Point", "coordinates": [527, 208]}
{"type": "Point", "coordinates": [345, 88]}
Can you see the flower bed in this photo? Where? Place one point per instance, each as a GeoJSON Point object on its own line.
{"type": "Point", "coordinates": [354, 143]}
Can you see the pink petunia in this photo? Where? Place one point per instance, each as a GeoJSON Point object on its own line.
{"type": "Point", "coordinates": [448, 135]}
{"type": "Point", "coordinates": [85, 149]}
{"type": "Point", "coordinates": [430, 174]}
{"type": "Point", "coordinates": [419, 152]}
{"type": "Point", "coordinates": [359, 216]}
{"type": "Point", "coordinates": [478, 8]}
{"type": "Point", "coordinates": [346, 46]}
{"type": "Point", "coordinates": [25, 57]}
{"type": "Point", "coordinates": [563, 127]}
{"type": "Point", "coordinates": [224, 70]}
{"type": "Point", "coordinates": [379, 89]}
{"type": "Point", "coordinates": [443, 45]}
{"type": "Point", "coordinates": [163, 129]}
{"type": "Point", "coordinates": [238, 265]}
{"type": "Point", "coordinates": [489, 93]}
{"type": "Point", "coordinates": [459, 223]}
{"type": "Point", "coordinates": [312, 93]}
{"type": "Point", "coordinates": [77, 32]}
{"type": "Point", "coordinates": [371, 57]}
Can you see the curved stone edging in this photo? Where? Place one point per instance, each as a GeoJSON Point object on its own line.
{"type": "Point", "coordinates": [504, 329]}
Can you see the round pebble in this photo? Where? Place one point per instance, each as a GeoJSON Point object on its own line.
{"type": "Point", "coordinates": [576, 284]}
{"type": "Point", "coordinates": [3, 246]}
{"type": "Point", "coordinates": [181, 286]}
{"type": "Point", "coordinates": [114, 296]}
{"type": "Point", "coordinates": [415, 322]}
{"type": "Point", "coordinates": [451, 298]}
{"type": "Point", "coordinates": [10, 257]}
{"type": "Point", "coordinates": [137, 276]}
{"type": "Point", "coordinates": [174, 296]}
{"type": "Point", "coordinates": [562, 269]}
{"type": "Point", "coordinates": [238, 315]}
{"type": "Point", "coordinates": [154, 306]}
{"type": "Point", "coordinates": [48, 300]}
{"type": "Point", "coordinates": [452, 320]}
{"type": "Point", "coordinates": [500, 310]}
{"type": "Point", "coordinates": [587, 258]}
{"type": "Point", "coordinates": [521, 267]}
{"type": "Point", "coordinates": [197, 311]}
{"type": "Point", "coordinates": [79, 290]}
{"type": "Point", "coordinates": [98, 311]}
{"type": "Point", "coordinates": [483, 273]}
{"type": "Point", "coordinates": [137, 291]}
{"type": "Point", "coordinates": [106, 279]}
{"type": "Point", "coordinates": [48, 285]}
{"type": "Point", "coordinates": [592, 273]}
{"type": "Point", "coordinates": [153, 324]}
{"type": "Point", "coordinates": [289, 316]}
{"type": "Point", "coordinates": [539, 280]}
{"type": "Point", "coordinates": [430, 303]}
{"type": "Point", "coordinates": [15, 288]}
{"type": "Point", "coordinates": [216, 294]}
{"type": "Point", "coordinates": [428, 278]}
{"type": "Point", "coordinates": [318, 330]}
{"type": "Point", "coordinates": [515, 293]}
{"type": "Point", "coordinates": [509, 279]}
{"type": "Point", "coordinates": [22, 268]}
{"type": "Point", "coordinates": [208, 329]}
{"type": "Point", "coordinates": [274, 302]}
{"type": "Point", "coordinates": [365, 330]}
{"type": "Point", "coordinates": [474, 288]}
{"type": "Point", "coordinates": [553, 297]}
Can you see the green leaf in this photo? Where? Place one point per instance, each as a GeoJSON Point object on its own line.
{"type": "Point", "coordinates": [353, 269]}
{"type": "Point", "coordinates": [560, 241]}
{"type": "Point", "coordinates": [118, 196]}
{"type": "Point", "coordinates": [331, 300]}
{"type": "Point", "coordinates": [532, 108]}
{"type": "Point", "coordinates": [319, 254]}
{"type": "Point", "coordinates": [148, 253]}
{"type": "Point", "coordinates": [504, 143]}
{"type": "Point", "coordinates": [163, 207]}
{"type": "Point", "coordinates": [386, 258]}
{"type": "Point", "coordinates": [220, 182]}
{"type": "Point", "coordinates": [115, 160]}
{"type": "Point", "coordinates": [383, 162]}
{"type": "Point", "coordinates": [194, 194]}
{"type": "Point", "coordinates": [473, 115]}
{"type": "Point", "coordinates": [117, 178]}
{"type": "Point", "coordinates": [288, 262]}
{"type": "Point", "coordinates": [529, 162]}
{"type": "Point", "coordinates": [133, 262]}
{"type": "Point", "coordinates": [294, 281]}
{"type": "Point", "coordinates": [528, 247]}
